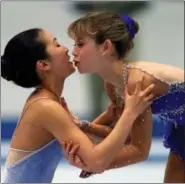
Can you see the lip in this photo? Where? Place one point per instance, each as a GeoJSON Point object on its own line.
{"type": "Point", "coordinates": [76, 62]}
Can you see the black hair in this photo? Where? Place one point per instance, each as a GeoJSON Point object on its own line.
{"type": "Point", "coordinates": [18, 63]}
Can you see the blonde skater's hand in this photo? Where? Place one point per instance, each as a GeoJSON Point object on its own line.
{"type": "Point", "coordinates": [140, 100]}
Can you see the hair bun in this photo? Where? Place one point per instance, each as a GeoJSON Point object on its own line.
{"type": "Point", "coordinates": [6, 69]}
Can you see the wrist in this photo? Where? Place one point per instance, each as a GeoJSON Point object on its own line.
{"type": "Point", "coordinates": [85, 125]}
{"type": "Point", "coordinates": [130, 113]}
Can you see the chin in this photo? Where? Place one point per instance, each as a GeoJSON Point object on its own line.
{"type": "Point", "coordinates": [70, 73]}
{"type": "Point", "coordinates": [81, 71]}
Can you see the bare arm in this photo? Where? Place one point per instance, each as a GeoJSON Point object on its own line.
{"type": "Point", "coordinates": [99, 127]}
{"type": "Point", "coordinates": [96, 129]}
{"type": "Point", "coordinates": [141, 138]}
{"type": "Point", "coordinates": [96, 157]}
{"type": "Point", "coordinates": [136, 151]}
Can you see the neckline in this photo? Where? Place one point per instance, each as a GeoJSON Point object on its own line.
{"type": "Point", "coordinates": [30, 155]}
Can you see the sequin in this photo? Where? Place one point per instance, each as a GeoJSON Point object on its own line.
{"type": "Point", "coordinates": [170, 107]}
{"type": "Point", "coordinates": [32, 168]}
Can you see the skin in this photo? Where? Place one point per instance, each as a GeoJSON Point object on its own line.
{"type": "Point", "coordinates": [110, 69]}
{"type": "Point", "coordinates": [46, 119]}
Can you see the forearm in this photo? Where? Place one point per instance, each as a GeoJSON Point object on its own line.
{"type": "Point", "coordinates": [103, 154]}
{"type": "Point", "coordinates": [103, 119]}
{"type": "Point", "coordinates": [101, 131]}
{"type": "Point", "coordinates": [110, 147]}
{"type": "Point", "coordinates": [129, 155]}
{"type": "Point", "coordinates": [99, 127]}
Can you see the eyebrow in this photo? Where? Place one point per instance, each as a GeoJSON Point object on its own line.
{"type": "Point", "coordinates": [54, 39]}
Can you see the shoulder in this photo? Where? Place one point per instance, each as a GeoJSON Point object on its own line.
{"type": "Point", "coordinates": [135, 76]}
{"type": "Point", "coordinates": [49, 105]}
{"type": "Point", "coordinates": [146, 67]}
{"type": "Point", "coordinates": [46, 109]}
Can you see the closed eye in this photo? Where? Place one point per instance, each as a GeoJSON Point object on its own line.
{"type": "Point", "coordinates": [78, 44]}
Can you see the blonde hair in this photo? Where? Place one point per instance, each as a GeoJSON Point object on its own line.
{"type": "Point", "coordinates": [101, 26]}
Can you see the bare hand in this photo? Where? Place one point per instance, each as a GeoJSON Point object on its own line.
{"type": "Point", "coordinates": [70, 153]}
{"type": "Point", "coordinates": [140, 100]}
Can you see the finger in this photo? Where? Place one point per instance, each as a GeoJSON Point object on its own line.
{"type": "Point", "coordinates": [126, 91]}
{"type": "Point", "coordinates": [148, 104]}
{"type": "Point", "coordinates": [79, 163]}
{"type": "Point", "coordinates": [82, 162]}
{"type": "Point", "coordinates": [74, 150]}
{"type": "Point", "coordinates": [148, 90]}
{"type": "Point", "coordinates": [68, 147]}
{"type": "Point", "coordinates": [150, 97]}
{"type": "Point", "coordinates": [138, 87]}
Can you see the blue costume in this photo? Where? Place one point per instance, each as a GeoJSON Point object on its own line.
{"type": "Point", "coordinates": [171, 108]}
{"type": "Point", "coordinates": [37, 167]}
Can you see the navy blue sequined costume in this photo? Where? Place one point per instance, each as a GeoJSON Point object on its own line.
{"type": "Point", "coordinates": [170, 107]}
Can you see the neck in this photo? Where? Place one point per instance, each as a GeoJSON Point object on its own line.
{"type": "Point", "coordinates": [54, 87]}
{"type": "Point", "coordinates": [113, 74]}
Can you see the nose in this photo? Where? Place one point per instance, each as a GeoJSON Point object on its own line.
{"type": "Point", "coordinates": [66, 49]}
{"type": "Point", "coordinates": [74, 52]}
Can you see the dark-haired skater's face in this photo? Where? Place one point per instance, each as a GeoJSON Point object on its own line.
{"type": "Point", "coordinates": [58, 63]}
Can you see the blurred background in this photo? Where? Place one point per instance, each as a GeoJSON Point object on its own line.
{"type": "Point", "coordinates": [160, 39]}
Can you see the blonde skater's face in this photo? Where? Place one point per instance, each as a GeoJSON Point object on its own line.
{"type": "Point", "coordinates": [88, 56]}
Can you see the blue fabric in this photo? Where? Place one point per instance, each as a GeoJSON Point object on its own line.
{"type": "Point", "coordinates": [170, 107]}
{"type": "Point", "coordinates": [130, 24]}
{"type": "Point", "coordinates": [37, 167]}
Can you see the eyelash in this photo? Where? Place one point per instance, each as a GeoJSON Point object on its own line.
{"type": "Point", "coordinates": [78, 45]}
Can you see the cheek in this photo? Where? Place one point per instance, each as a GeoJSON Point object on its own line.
{"type": "Point", "coordinates": [87, 55]}
{"type": "Point", "coordinates": [84, 53]}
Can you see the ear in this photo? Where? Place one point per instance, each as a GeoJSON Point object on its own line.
{"type": "Point", "coordinates": [43, 65]}
{"type": "Point", "coordinates": [107, 47]}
